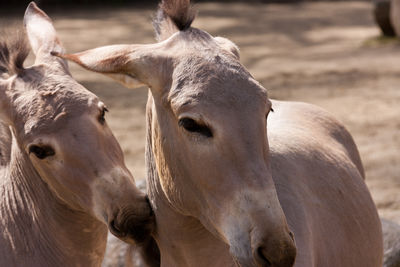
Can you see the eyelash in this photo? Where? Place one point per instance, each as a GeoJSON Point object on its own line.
{"type": "Point", "coordinates": [101, 118]}
{"type": "Point", "coordinates": [192, 126]}
{"type": "Point", "coordinates": [42, 152]}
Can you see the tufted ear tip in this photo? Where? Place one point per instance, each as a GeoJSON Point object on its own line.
{"type": "Point", "coordinates": [31, 8]}
{"type": "Point", "coordinates": [34, 12]}
{"type": "Point", "coordinates": [32, 5]}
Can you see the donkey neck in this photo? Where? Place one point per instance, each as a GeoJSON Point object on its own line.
{"type": "Point", "coordinates": [183, 240]}
{"type": "Point", "coordinates": [37, 229]}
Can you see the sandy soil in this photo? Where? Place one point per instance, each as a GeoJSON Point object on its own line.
{"type": "Point", "coordinates": [321, 53]}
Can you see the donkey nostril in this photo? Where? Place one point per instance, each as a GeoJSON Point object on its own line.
{"type": "Point", "coordinates": [113, 226]}
{"type": "Point", "coordinates": [115, 230]}
{"type": "Point", "coordinates": [264, 261]}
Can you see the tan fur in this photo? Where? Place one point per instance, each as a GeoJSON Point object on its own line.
{"type": "Point", "coordinates": [240, 194]}
{"type": "Point", "coordinates": [5, 141]}
{"type": "Point", "coordinates": [55, 209]}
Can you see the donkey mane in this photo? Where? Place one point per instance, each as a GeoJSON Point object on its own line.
{"type": "Point", "coordinates": [179, 12]}
{"type": "Point", "coordinates": [5, 144]}
{"type": "Point", "coordinates": [14, 49]}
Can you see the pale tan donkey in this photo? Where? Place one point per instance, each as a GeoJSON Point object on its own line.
{"type": "Point", "coordinates": [62, 174]}
{"type": "Point", "coordinates": [232, 183]}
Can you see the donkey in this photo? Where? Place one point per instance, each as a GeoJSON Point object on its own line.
{"type": "Point", "coordinates": [63, 179]}
{"type": "Point", "coordinates": [232, 183]}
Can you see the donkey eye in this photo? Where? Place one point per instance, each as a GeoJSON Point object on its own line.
{"type": "Point", "coordinates": [191, 125]}
{"type": "Point", "coordinates": [42, 152]}
{"type": "Point", "coordinates": [102, 115]}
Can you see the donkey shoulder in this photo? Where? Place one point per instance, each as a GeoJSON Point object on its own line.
{"type": "Point", "coordinates": [318, 176]}
{"type": "Point", "coordinates": [308, 128]}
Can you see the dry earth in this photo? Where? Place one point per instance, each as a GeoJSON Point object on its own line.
{"type": "Point", "coordinates": [322, 53]}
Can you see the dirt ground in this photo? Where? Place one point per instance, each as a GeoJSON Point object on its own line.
{"type": "Point", "coordinates": [322, 53]}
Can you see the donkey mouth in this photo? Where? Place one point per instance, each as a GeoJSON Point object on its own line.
{"type": "Point", "coordinates": [115, 230]}
{"type": "Point", "coordinates": [133, 225]}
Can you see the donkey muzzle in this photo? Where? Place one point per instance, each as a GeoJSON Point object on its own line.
{"type": "Point", "coordinates": [133, 224]}
{"type": "Point", "coordinates": [274, 253]}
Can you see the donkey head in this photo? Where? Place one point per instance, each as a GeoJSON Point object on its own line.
{"type": "Point", "coordinates": [61, 129]}
{"type": "Point", "coordinates": [208, 133]}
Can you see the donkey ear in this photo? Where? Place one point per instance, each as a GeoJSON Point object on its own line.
{"type": "Point", "coordinates": [131, 65]}
{"type": "Point", "coordinates": [41, 33]}
{"type": "Point", "coordinates": [228, 45]}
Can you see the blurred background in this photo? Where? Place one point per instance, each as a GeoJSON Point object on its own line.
{"type": "Point", "coordinates": [112, 2]}
{"type": "Point", "coordinates": [329, 53]}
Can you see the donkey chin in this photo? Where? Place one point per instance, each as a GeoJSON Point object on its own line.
{"type": "Point", "coordinates": [133, 225]}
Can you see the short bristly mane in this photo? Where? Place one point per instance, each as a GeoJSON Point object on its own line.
{"type": "Point", "coordinates": [5, 144]}
{"type": "Point", "coordinates": [14, 49]}
{"type": "Point", "coordinates": [173, 16]}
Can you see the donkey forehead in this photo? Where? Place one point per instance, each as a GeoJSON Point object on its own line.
{"type": "Point", "coordinates": [49, 102]}
{"type": "Point", "coordinates": [215, 82]}
{"type": "Point", "coordinates": [49, 95]}
{"type": "Point", "coordinates": [204, 73]}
